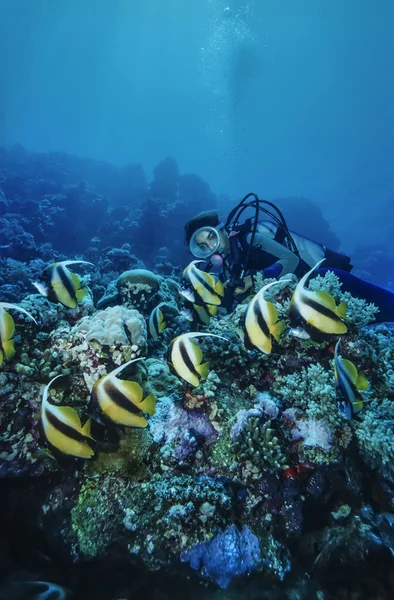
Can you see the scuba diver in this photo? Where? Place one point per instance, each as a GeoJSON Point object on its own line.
{"type": "Point", "coordinates": [238, 250]}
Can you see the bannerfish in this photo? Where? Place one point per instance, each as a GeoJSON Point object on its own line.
{"type": "Point", "coordinates": [62, 428]}
{"type": "Point", "coordinates": [156, 323]}
{"type": "Point", "coordinates": [34, 590]}
{"type": "Point", "coordinates": [7, 330]}
{"type": "Point", "coordinates": [316, 312]}
{"type": "Point", "coordinates": [208, 287]}
{"type": "Point", "coordinates": [261, 322]}
{"type": "Point", "coordinates": [61, 285]}
{"type": "Point", "coordinates": [205, 312]}
{"type": "Point", "coordinates": [185, 357]}
{"type": "Point", "coordinates": [186, 314]}
{"type": "Point", "coordinates": [187, 293]}
{"type": "Point", "coordinates": [349, 383]}
{"type": "Point", "coordinates": [122, 401]}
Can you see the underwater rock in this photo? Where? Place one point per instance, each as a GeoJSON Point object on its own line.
{"type": "Point", "coordinates": [136, 287]}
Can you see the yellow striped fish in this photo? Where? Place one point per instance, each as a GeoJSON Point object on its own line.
{"type": "Point", "coordinates": [261, 322]}
{"type": "Point", "coordinates": [349, 383]}
{"type": "Point", "coordinates": [62, 428]}
{"type": "Point", "coordinates": [122, 401]}
{"type": "Point", "coordinates": [7, 330]}
{"type": "Point", "coordinates": [208, 287]}
{"type": "Point", "coordinates": [156, 322]}
{"type": "Point", "coordinates": [316, 312]}
{"type": "Point", "coordinates": [61, 285]}
{"type": "Point", "coordinates": [185, 357]}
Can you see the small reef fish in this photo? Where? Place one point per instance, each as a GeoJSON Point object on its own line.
{"type": "Point", "coordinates": [34, 590]}
{"type": "Point", "coordinates": [349, 383]}
{"type": "Point", "coordinates": [208, 287]}
{"type": "Point", "coordinates": [261, 322]}
{"type": "Point", "coordinates": [156, 323]}
{"type": "Point", "coordinates": [122, 401]}
{"type": "Point", "coordinates": [188, 294]}
{"type": "Point", "coordinates": [61, 285]}
{"type": "Point", "coordinates": [7, 329]}
{"type": "Point", "coordinates": [185, 357]}
{"type": "Point", "coordinates": [62, 428]}
{"type": "Point", "coordinates": [205, 312]}
{"type": "Point", "coordinates": [299, 333]}
{"type": "Point", "coordinates": [316, 312]}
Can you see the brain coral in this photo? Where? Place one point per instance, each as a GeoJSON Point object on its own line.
{"type": "Point", "coordinates": [115, 325]}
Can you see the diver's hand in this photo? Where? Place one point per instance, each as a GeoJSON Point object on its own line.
{"type": "Point", "coordinates": [247, 285]}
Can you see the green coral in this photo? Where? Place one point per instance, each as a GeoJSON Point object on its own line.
{"type": "Point", "coordinates": [375, 435]}
{"type": "Point", "coordinates": [313, 390]}
{"type": "Point", "coordinates": [258, 445]}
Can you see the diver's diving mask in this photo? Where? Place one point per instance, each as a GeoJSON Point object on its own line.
{"type": "Point", "coordinates": [205, 244]}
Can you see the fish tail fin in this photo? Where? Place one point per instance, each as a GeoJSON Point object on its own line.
{"type": "Point", "coordinates": [148, 405]}
{"type": "Point", "coordinates": [9, 349]}
{"type": "Point", "coordinates": [277, 329]}
{"type": "Point", "coordinates": [162, 326]}
{"type": "Point", "coordinates": [357, 406]}
{"type": "Point", "coordinates": [219, 288]}
{"type": "Point", "coordinates": [362, 382]}
{"type": "Point", "coordinates": [203, 370]}
{"type": "Point", "coordinates": [340, 310]}
{"type": "Point", "coordinates": [212, 309]}
{"type": "Point", "coordinates": [86, 429]}
{"type": "Point", "coordinates": [81, 294]}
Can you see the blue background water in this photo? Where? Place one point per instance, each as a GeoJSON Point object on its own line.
{"type": "Point", "coordinates": [290, 98]}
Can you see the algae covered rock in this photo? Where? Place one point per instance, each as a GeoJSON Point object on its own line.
{"type": "Point", "coordinates": [136, 287]}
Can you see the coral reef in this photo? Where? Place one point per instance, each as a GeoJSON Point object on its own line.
{"type": "Point", "coordinates": [253, 480]}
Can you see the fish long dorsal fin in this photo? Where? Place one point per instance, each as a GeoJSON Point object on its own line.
{"type": "Point", "coordinates": [304, 280]}
{"type": "Point", "coordinates": [46, 389]}
{"type": "Point", "coordinates": [192, 334]}
{"type": "Point", "coordinates": [16, 307]}
{"type": "Point", "coordinates": [115, 372]}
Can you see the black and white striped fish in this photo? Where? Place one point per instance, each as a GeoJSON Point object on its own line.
{"type": "Point", "coordinates": [122, 401]}
{"type": "Point", "coordinates": [185, 357]}
{"type": "Point", "coordinates": [61, 285]}
{"type": "Point", "coordinates": [62, 428]}
{"type": "Point", "coordinates": [261, 322]}
{"type": "Point", "coordinates": [156, 322]}
{"type": "Point", "coordinates": [7, 330]}
{"type": "Point", "coordinates": [208, 287]}
{"type": "Point", "coordinates": [316, 312]}
{"type": "Point", "coordinates": [349, 383]}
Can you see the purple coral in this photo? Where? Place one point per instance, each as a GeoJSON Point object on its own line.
{"type": "Point", "coordinates": [314, 432]}
{"type": "Point", "coordinates": [185, 430]}
{"type": "Point", "coordinates": [232, 553]}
